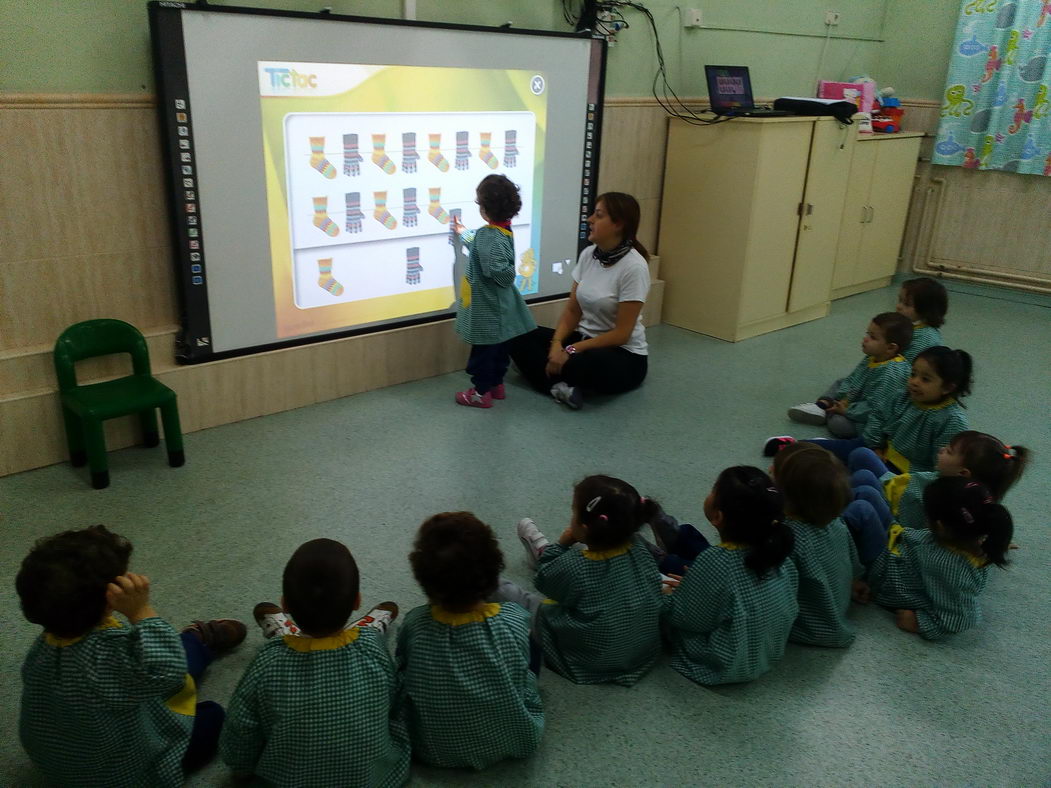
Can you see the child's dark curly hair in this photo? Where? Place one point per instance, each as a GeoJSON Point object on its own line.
{"type": "Point", "coordinates": [62, 582]}
{"type": "Point", "coordinates": [456, 560]}
{"type": "Point", "coordinates": [498, 198]}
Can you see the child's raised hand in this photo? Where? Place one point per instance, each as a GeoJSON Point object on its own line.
{"type": "Point", "coordinates": [130, 594]}
{"type": "Point", "coordinates": [456, 225]}
{"type": "Point", "coordinates": [906, 619]}
{"type": "Point", "coordinates": [860, 592]}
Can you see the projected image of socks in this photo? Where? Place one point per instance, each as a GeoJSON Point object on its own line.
{"type": "Point", "coordinates": [510, 148]}
{"type": "Point", "coordinates": [379, 154]}
{"type": "Point", "coordinates": [381, 214]}
{"type": "Point", "coordinates": [318, 160]}
{"type": "Point", "coordinates": [409, 156]}
{"type": "Point", "coordinates": [411, 211]}
{"type": "Point", "coordinates": [435, 207]}
{"type": "Point", "coordinates": [321, 220]}
{"type": "Point", "coordinates": [485, 154]}
{"type": "Point", "coordinates": [434, 152]}
{"type": "Point", "coordinates": [324, 278]}
{"type": "Point", "coordinates": [463, 155]}
{"type": "Point", "coordinates": [455, 215]}
{"type": "Point", "coordinates": [351, 155]}
{"type": "Point", "coordinates": [354, 214]}
{"type": "Point", "coordinates": [413, 269]}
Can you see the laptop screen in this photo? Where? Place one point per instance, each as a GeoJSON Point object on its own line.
{"type": "Point", "coordinates": [729, 87]}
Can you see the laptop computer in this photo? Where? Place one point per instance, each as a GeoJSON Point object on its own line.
{"type": "Point", "coordinates": [730, 93]}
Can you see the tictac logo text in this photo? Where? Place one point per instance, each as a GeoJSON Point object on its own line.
{"type": "Point", "coordinates": [290, 79]}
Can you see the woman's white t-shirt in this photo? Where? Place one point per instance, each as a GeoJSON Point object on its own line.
{"type": "Point", "coordinates": [601, 289]}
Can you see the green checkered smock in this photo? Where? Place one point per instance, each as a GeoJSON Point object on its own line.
{"type": "Point", "coordinates": [601, 621]}
{"type": "Point", "coordinates": [467, 693]}
{"type": "Point", "coordinates": [923, 337]}
{"type": "Point", "coordinates": [727, 625]}
{"type": "Point", "coordinates": [904, 494]}
{"type": "Point", "coordinates": [112, 708]}
{"type": "Point", "coordinates": [873, 384]}
{"type": "Point", "coordinates": [318, 712]}
{"type": "Point", "coordinates": [491, 310]}
{"type": "Point", "coordinates": [827, 562]}
{"type": "Point", "coordinates": [912, 433]}
{"type": "Point", "coordinates": [940, 583]}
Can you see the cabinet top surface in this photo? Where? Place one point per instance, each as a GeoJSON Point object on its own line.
{"type": "Point", "coordinates": [898, 135]}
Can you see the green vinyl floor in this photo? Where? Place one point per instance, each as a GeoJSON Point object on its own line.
{"type": "Point", "coordinates": [890, 710]}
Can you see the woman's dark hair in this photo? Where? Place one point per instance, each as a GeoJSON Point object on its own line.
{"type": "Point", "coordinates": [896, 328]}
{"type": "Point", "coordinates": [753, 515]}
{"type": "Point", "coordinates": [969, 515]}
{"type": "Point", "coordinates": [813, 482]}
{"type": "Point", "coordinates": [320, 586]}
{"type": "Point", "coordinates": [62, 582]}
{"type": "Point", "coordinates": [954, 367]}
{"type": "Point", "coordinates": [990, 461]}
{"type": "Point", "coordinates": [928, 298]}
{"type": "Point", "coordinates": [498, 198]}
{"type": "Point", "coordinates": [611, 509]}
{"type": "Point", "coordinates": [456, 560]}
{"type": "Point", "coordinates": [624, 210]}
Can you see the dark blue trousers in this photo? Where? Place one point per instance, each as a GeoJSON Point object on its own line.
{"type": "Point", "coordinates": [204, 739]}
{"type": "Point", "coordinates": [487, 366]}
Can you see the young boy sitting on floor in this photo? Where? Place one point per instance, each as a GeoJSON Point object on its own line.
{"type": "Point", "coordinates": [878, 377]}
{"type": "Point", "coordinates": [316, 708]}
{"type": "Point", "coordinates": [104, 703]}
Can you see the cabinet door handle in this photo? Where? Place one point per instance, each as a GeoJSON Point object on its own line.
{"type": "Point", "coordinates": [864, 214]}
{"type": "Point", "coordinates": [872, 214]}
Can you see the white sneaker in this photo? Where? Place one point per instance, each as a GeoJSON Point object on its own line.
{"type": "Point", "coordinates": [380, 617]}
{"type": "Point", "coordinates": [567, 395]}
{"type": "Point", "coordinates": [273, 621]}
{"type": "Point", "coordinates": [532, 540]}
{"type": "Point", "coordinates": [808, 413]}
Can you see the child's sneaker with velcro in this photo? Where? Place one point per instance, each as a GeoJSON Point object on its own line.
{"type": "Point", "coordinates": [808, 413]}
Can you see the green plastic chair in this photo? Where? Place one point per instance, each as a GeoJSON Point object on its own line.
{"type": "Point", "coordinates": [84, 408]}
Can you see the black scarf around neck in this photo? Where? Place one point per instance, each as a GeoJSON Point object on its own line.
{"type": "Point", "coordinates": [615, 254]}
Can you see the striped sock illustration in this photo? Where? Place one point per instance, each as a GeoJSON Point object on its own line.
{"type": "Point", "coordinates": [321, 220]}
{"type": "Point", "coordinates": [381, 214]}
{"type": "Point", "coordinates": [318, 160]}
{"type": "Point", "coordinates": [434, 154]}
{"type": "Point", "coordinates": [435, 207]}
{"type": "Point", "coordinates": [325, 279]}
{"type": "Point", "coordinates": [485, 153]}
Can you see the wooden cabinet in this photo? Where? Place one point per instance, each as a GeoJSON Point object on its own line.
{"type": "Point", "coordinates": [881, 177]}
{"type": "Point", "coordinates": [750, 219]}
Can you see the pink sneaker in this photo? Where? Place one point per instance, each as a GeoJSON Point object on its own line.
{"type": "Point", "coordinates": [498, 392]}
{"type": "Point", "coordinates": [473, 399]}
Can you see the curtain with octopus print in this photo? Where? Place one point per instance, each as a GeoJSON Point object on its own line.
{"type": "Point", "coordinates": [996, 113]}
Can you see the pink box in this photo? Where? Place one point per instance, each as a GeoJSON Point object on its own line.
{"type": "Point", "coordinates": [861, 93]}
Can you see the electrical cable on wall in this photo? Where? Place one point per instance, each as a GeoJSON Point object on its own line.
{"type": "Point", "coordinates": [588, 18]}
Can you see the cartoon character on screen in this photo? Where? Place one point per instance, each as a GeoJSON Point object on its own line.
{"type": "Point", "coordinates": [318, 160]}
{"type": "Point", "coordinates": [410, 210]}
{"type": "Point", "coordinates": [485, 153]}
{"type": "Point", "coordinates": [351, 156]}
{"type": "Point", "coordinates": [510, 148]}
{"type": "Point", "coordinates": [413, 269]}
{"type": "Point", "coordinates": [463, 154]}
{"type": "Point", "coordinates": [354, 214]}
{"type": "Point", "coordinates": [525, 281]}
{"type": "Point", "coordinates": [409, 156]}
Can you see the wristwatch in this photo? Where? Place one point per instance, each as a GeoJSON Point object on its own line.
{"type": "Point", "coordinates": [570, 349]}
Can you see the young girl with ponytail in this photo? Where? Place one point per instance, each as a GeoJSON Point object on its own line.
{"type": "Point", "coordinates": [931, 578]}
{"type": "Point", "coordinates": [731, 614]}
{"type": "Point", "coordinates": [600, 620]}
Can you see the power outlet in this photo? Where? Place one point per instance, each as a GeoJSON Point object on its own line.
{"type": "Point", "coordinates": [831, 18]}
{"type": "Point", "coordinates": [691, 17]}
